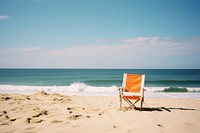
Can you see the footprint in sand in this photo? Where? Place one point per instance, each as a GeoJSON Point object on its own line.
{"type": "Point", "coordinates": [13, 119]}
{"type": "Point", "coordinates": [88, 116]}
{"type": "Point", "coordinates": [188, 124]}
{"type": "Point", "coordinates": [5, 98]}
{"type": "Point", "coordinates": [75, 117]}
{"type": "Point", "coordinates": [101, 113]}
{"type": "Point", "coordinates": [115, 126]}
{"type": "Point", "coordinates": [30, 120]}
{"type": "Point", "coordinates": [37, 114]}
{"type": "Point", "coordinates": [57, 121]}
{"type": "Point", "coordinates": [70, 110]}
{"type": "Point", "coordinates": [30, 128]}
{"type": "Point", "coordinates": [40, 113]}
{"type": "Point", "coordinates": [28, 98]}
{"type": "Point", "coordinates": [5, 119]}
{"type": "Point", "coordinates": [159, 125]}
{"type": "Point", "coordinates": [87, 112]}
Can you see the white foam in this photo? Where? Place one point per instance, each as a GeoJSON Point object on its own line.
{"type": "Point", "coordinates": [155, 89]}
{"type": "Point", "coordinates": [84, 89]}
{"type": "Point", "coordinates": [73, 89]}
{"type": "Point", "coordinates": [161, 89]}
{"type": "Point", "coordinates": [193, 89]}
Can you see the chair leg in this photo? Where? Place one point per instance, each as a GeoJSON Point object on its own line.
{"type": "Point", "coordinates": [142, 100]}
{"type": "Point", "coordinates": [130, 103]}
{"type": "Point", "coordinates": [120, 99]}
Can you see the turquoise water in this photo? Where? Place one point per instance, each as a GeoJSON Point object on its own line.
{"type": "Point", "coordinates": [99, 77]}
{"type": "Point", "coordinates": [89, 80]}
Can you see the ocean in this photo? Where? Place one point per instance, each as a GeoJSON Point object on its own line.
{"type": "Point", "coordinates": [183, 83]}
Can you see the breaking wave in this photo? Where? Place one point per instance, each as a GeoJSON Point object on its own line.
{"type": "Point", "coordinates": [73, 89]}
{"type": "Point", "coordinates": [79, 88]}
{"type": "Point", "coordinates": [171, 89]}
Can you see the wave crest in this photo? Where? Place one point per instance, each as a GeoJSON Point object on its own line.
{"type": "Point", "coordinates": [76, 88]}
{"type": "Point", "coordinates": [171, 89]}
{"type": "Point", "coordinates": [79, 88]}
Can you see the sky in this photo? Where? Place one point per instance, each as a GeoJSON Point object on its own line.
{"type": "Point", "coordinates": [135, 34]}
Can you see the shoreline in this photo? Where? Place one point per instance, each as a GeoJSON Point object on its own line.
{"type": "Point", "coordinates": [43, 112]}
{"type": "Point", "coordinates": [86, 90]}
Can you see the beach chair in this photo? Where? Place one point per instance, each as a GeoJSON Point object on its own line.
{"type": "Point", "coordinates": [132, 89]}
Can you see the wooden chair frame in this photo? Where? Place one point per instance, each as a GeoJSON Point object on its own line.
{"type": "Point", "coordinates": [131, 95]}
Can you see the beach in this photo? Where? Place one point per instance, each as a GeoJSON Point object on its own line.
{"type": "Point", "coordinates": [43, 112]}
{"type": "Point", "coordinates": [63, 64]}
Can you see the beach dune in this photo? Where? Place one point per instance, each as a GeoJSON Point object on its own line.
{"type": "Point", "coordinates": [42, 112]}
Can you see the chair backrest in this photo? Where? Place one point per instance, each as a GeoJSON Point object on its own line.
{"type": "Point", "coordinates": [133, 83]}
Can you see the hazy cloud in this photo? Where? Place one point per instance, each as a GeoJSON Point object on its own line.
{"type": "Point", "coordinates": [2, 17]}
{"type": "Point", "coordinates": [137, 52]}
{"type": "Point", "coordinates": [20, 50]}
{"type": "Point", "coordinates": [141, 40]}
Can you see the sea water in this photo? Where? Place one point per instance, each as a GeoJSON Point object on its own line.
{"type": "Point", "coordinates": [158, 82]}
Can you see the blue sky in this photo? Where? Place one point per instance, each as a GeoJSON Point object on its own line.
{"type": "Point", "coordinates": [100, 33]}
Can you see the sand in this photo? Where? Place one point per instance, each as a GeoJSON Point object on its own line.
{"type": "Point", "coordinates": [53, 113]}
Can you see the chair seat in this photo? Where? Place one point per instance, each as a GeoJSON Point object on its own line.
{"type": "Point", "coordinates": [131, 94]}
{"type": "Point", "coordinates": [132, 97]}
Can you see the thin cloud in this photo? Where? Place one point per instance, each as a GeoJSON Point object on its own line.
{"type": "Point", "coordinates": [141, 40]}
{"type": "Point", "coordinates": [140, 46]}
{"type": "Point", "coordinates": [165, 46]}
{"type": "Point", "coordinates": [26, 50]}
{"type": "Point", "coordinates": [133, 52]}
{"type": "Point", "coordinates": [2, 17]}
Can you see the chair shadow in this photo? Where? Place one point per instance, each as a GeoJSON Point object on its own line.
{"type": "Point", "coordinates": [158, 109]}
{"type": "Point", "coordinates": [154, 109]}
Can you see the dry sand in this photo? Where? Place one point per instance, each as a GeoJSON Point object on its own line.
{"type": "Point", "coordinates": [53, 113]}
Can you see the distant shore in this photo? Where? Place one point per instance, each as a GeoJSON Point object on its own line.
{"type": "Point", "coordinates": [42, 112]}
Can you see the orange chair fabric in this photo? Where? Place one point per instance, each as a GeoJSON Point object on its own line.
{"type": "Point", "coordinates": [133, 83]}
